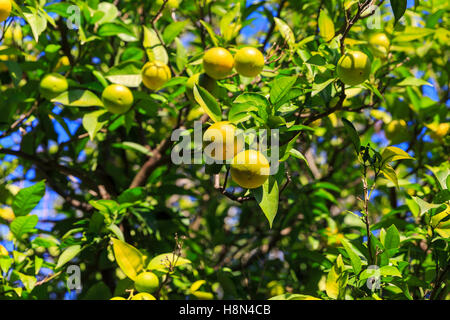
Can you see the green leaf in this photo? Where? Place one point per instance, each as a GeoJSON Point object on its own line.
{"type": "Point", "coordinates": [211, 32]}
{"type": "Point", "coordinates": [294, 296]}
{"type": "Point", "coordinates": [132, 195]}
{"type": "Point", "coordinates": [267, 197]}
{"type": "Point", "coordinates": [78, 98]}
{"type": "Point", "coordinates": [118, 29]}
{"type": "Point", "coordinates": [424, 206]}
{"type": "Point", "coordinates": [393, 154]}
{"type": "Point", "coordinates": [129, 259]}
{"type": "Point", "coordinates": [411, 81]}
{"type": "Point", "coordinates": [155, 50]}
{"type": "Point", "coordinates": [281, 87]}
{"type": "Point", "coordinates": [390, 271]}
{"type": "Point", "coordinates": [286, 32]}
{"type": "Point", "coordinates": [441, 175]}
{"type": "Point", "coordinates": [227, 28]}
{"type": "Point", "coordinates": [38, 261]}
{"type": "Point", "coordinates": [208, 103]}
{"type": "Point", "coordinates": [110, 12]}
{"type": "Point", "coordinates": [326, 26]}
{"type": "Point", "coordinates": [92, 124]}
{"type": "Point", "coordinates": [196, 285]}
{"type": "Point", "coordinates": [163, 261]}
{"type": "Point", "coordinates": [336, 280]}
{"type": "Point", "coordinates": [320, 86]}
{"type": "Point", "coordinates": [390, 174]}
{"type": "Point", "coordinates": [28, 281]}
{"type": "Point", "coordinates": [173, 30]}
{"type": "Point", "coordinates": [354, 258]}
{"type": "Point", "coordinates": [28, 198]}
{"type": "Point", "coordinates": [392, 238]}
{"type": "Point", "coordinates": [36, 20]}
{"type": "Point", "coordinates": [374, 89]}
{"type": "Point", "coordinates": [399, 8]}
{"type": "Point", "coordinates": [127, 73]}
{"type": "Point", "coordinates": [133, 146]}
{"type": "Point", "coordinates": [23, 225]}
{"type": "Point", "coordinates": [284, 152]}
{"type": "Point", "coordinates": [182, 56]}
{"type": "Point", "coordinates": [351, 131]}
{"type": "Point", "coordinates": [437, 218]}
{"type": "Point", "coordinates": [67, 255]}
{"type": "Point", "coordinates": [252, 102]}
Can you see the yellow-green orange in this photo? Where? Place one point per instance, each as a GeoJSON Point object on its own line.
{"type": "Point", "coordinates": [13, 35]}
{"type": "Point", "coordinates": [52, 85]}
{"type": "Point", "coordinates": [379, 44]}
{"type": "Point", "coordinates": [353, 68]}
{"type": "Point", "coordinates": [222, 141]}
{"type": "Point", "coordinates": [218, 63]}
{"type": "Point", "coordinates": [62, 62]}
{"type": "Point", "coordinates": [146, 282]}
{"type": "Point", "coordinates": [155, 74]}
{"type": "Point", "coordinates": [5, 9]}
{"type": "Point", "coordinates": [3, 251]}
{"type": "Point", "coordinates": [397, 131]}
{"type": "Point", "coordinates": [143, 296]}
{"type": "Point", "coordinates": [249, 62]}
{"type": "Point", "coordinates": [250, 169]}
{"type": "Point", "coordinates": [117, 98]}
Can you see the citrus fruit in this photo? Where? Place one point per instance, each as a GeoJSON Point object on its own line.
{"type": "Point", "coordinates": [397, 131]}
{"type": "Point", "coordinates": [172, 4]}
{"type": "Point", "coordinates": [4, 57]}
{"type": "Point", "coordinates": [379, 44]}
{"type": "Point", "coordinates": [52, 85]}
{"type": "Point", "coordinates": [218, 63]}
{"type": "Point", "coordinates": [62, 62]}
{"type": "Point", "coordinates": [249, 62]}
{"type": "Point", "coordinates": [353, 68]}
{"type": "Point", "coordinates": [146, 282]}
{"type": "Point", "coordinates": [203, 80]}
{"type": "Point", "coordinates": [3, 251]}
{"type": "Point", "coordinates": [250, 169]}
{"type": "Point", "coordinates": [438, 131]}
{"type": "Point", "coordinates": [5, 9]}
{"type": "Point", "coordinates": [117, 298]}
{"type": "Point", "coordinates": [222, 141]}
{"type": "Point", "coordinates": [143, 296]}
{"type": "Point", "coordinates": [117, 98]}
{"type": "Point", "coordinates": [13, 35]}
{"type": "Point", "coordinates": [155, 74]}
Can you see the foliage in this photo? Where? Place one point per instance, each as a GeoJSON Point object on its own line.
{"type": "Point", "coordinates": [347, 216]}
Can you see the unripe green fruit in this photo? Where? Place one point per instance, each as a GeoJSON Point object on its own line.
{"type": "Point", "coordinates": [143, 296]}
{"type": "Point", "coordinates": [353, 68]}
{"type": "Point", "coordinates": [146, 282]}
{"type": "Point", "coordinates": [379, 44]}
{"type": "Point", "coordinates": [117, 98]}
{"type": "Point", "coordinates": [52, 85]}
{"type": "Point", "coordinates": [397, 131]}
{"type": "Point", "coordinates": [249, 62]}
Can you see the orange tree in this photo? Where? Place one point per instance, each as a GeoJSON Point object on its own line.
{"type": "Point", "coordinates": [356, 92]}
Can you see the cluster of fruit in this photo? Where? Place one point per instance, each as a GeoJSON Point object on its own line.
{"type": "Point", "coordinates": [249, 168]}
